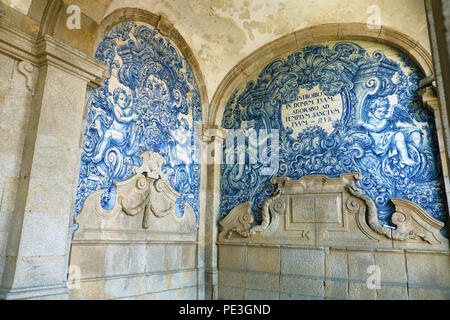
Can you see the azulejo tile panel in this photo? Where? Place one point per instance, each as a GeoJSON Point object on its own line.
{"type": "Point", "coordinates": [150, 101]}
{"type": "Point", "coordinates": [331, 108]}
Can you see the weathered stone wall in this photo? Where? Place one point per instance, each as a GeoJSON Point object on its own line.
{"type": "Point", "coordinates": [16, 103]}
{"type": "Point", "coordinates": [135, 270]}
{"type": "Point", "coordinates": [251, 271]}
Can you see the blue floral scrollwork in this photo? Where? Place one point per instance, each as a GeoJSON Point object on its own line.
{"type": "Point", "coordinates": [150, 101]}
{"type": "Point", "coordinates": [384, 131]}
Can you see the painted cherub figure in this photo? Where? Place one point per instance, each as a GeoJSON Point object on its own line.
{"type": "Point", "coordinates": [387, 138]}
{"type": "Point", "coordinates": [118, 132]}
{"type": "Point", "coordinates": [180, 148]}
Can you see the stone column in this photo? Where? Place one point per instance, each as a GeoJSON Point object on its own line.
{"type": "Point", "coordinates": [40, 230]}
{"type": "Point", "coordinates": [438, 15]}
{"type": "Point", "coordinates": [212, 138]}
{"type": "Point", "coordinates": [431, 100]}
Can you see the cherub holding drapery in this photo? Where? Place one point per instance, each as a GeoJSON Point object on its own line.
{"type": "Point", "coordinates": [119, 132]}
{"type": "Point", "coordinates": [388, 137]}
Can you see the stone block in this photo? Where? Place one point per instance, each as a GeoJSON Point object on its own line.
{"type": "Point", "coordinates": [261, 295]}
{"type": "Point", "coordinates": [125, 286]}
{"type": "Point", "coordinates": [155, 257]}
{"type": "Point", "coordinates": [251, 65]}
{"type": "Point", "coordinates": [2, 265]}
{"type": "Point", "coordinates": [189, 293]}
{"type": "Point", "coordinates": [156, 282]}
{"type": "Point", "coordinates": [231, 293]}
{"type": "Point", "coordinates": [8, 198]}
{"type": "Point", "coordinates": [304, 37]}
{"type": "Point", "coordinates": [336, 264]}
{"type": "Point", "coordinates": [431, 269]}
{"type": "Point", "coordinates": [5, 219]}
{"type": "Point", "coordinates": [231, 278]}
{"type": "Point", "coordinates": [358, 262]}
{"type": "Point", "coordinates": [336, 289]}
{"type": "Point", "coordinates": [291, 296]}
{"type": "Point", "coordinates": [37, 271]}
{"type": "Point", "coordinates": [136, 258]}
{"type": "Point", "coordinates": [264, 259]}
{"type": "Point", "coordinates": [392, 266]}
{"type": "Point", "coordinates": [6, 71]}
{"type": "Point", "coordinates": [392, 293]}
{"type": "Point", "coordinates": [188, 256]}
{"type": "Point", "coordinates": [116, 260]}
{"type": "Point", "coordinates": [285, 44]}
{"type": "Point", "coordinates": [359, 291]}
{"type": "Point", "coordinates": [178, 294]}
{"type": "Point", "coordinates": [159, 282]}
{"type": "Point", "coordinates": [358, 31]}
{"type": "Point", "coordinates": [89, 258]}
{"type": "Point", "coordinates": [172, 258]}
{"type": "Point", "coordinates": [310, 286]}
{"type": "Point", "coordinates": [90, 290]}
{"type": "Point", "coordinates": [428, 294]}
{"type": "Point", "coordinates": [232, 257]}
{"type": "Point", "coordinates": [308, 262]}
{"type": "Point", "coordinates": [3, 242]}
{"type": "Point", "coordinates": [325, 32]}
{"type": "Point", "coordinates": [44, 234]}
{"type": "Point", "coordinates": [262, 281]}
{"type": "Point", "coordinates": [188, 278]}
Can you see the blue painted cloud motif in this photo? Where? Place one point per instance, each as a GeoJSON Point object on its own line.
{"type": "Point", "coordinates": [149, 102]}
{"type": "Point", "coordinates": [384, 132]}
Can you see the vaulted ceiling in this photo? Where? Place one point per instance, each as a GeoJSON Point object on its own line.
{"type": "Point", "coordinates": [223, 32]}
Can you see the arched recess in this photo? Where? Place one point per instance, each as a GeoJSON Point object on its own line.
{"type": "Point", "coordinates": [247, 71]}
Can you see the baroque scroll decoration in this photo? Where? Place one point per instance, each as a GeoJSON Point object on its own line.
{"type": "Point", "coordinates": [318, 210]}
{"type": "Point", "coordinates": [382, 131]}
{"type": "Point", "coordinates": [144, 201]}
{"type": "Point", "coordinates": [150, 101]}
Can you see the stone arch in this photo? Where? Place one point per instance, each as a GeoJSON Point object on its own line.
{"type": "Point", "coordinates": [53, 18]}
{"type": "Point", "coordinates": [164, 27]}
{"type": "Point", "coordinates": [316, 34]}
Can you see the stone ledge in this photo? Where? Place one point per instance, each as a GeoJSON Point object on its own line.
{"type": "Point", "coordinates": [34, 292]}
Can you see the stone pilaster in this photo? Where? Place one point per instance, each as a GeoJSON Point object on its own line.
{"type": "Point", "coordinates": [431, 100]}
{"type": "Point", "coordinates": [38, 246]}
{"type": "Point", "coordinates": [212, 142]}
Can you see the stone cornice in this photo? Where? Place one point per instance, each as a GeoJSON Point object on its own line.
{"type": "Point", "coordinates": [48, 50]}
{"type": "Point", "coordinates": [17, 43]}
{"type": "Point", "coordinates": [61, 55]}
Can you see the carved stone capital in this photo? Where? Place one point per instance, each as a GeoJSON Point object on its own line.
{"type": "Point", "coordinates": [429, 98]}
{"type": "Point", "coordinates": [213, 133]}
